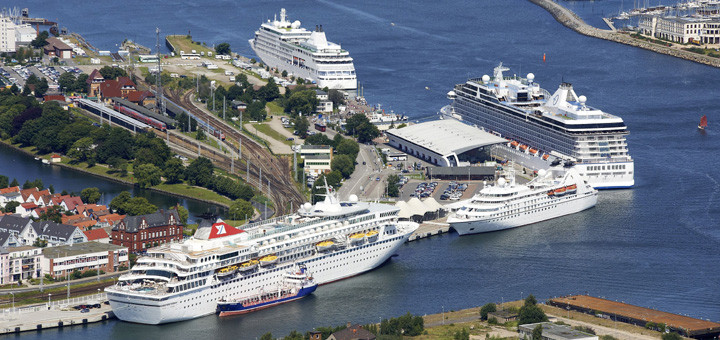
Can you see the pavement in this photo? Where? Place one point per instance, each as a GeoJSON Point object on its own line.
{"type": "Point", "coordinates": [276, 146]}
{"type": "Point", "coordinates": [59, 284]}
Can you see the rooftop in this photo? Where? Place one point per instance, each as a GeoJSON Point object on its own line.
{"type": "Point", "coordinates": [79, 249]}
{"type": "Point", "coordinates": [553, 331]}
{"type": "Point", "coordinates": [446, 137]}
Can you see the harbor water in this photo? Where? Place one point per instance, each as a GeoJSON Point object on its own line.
{"type": "Point", "coordinates": [656, 245]}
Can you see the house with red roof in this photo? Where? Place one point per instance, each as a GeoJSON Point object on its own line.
{"type": "Point", "coordinates": [9, 189]}
{"type": "Point", "coordinates": [67, 202]}
{"type": "Point", "coordinates": [93, 82]}
{"type": "Point", "coordinates": [126, 86]}
{"type": "Point", "coordinates": [109, 89]}
{"type": "Point", "coordinates": [55, 158]}
{"type": "Point", "coordinates": [109, 220]}
{"type": "Point", "coordinates": [142, 98]}
{"type": "Point", "coordinates": [25, 209]}
{"type": "Point", "coordinates": [88, 209]}
{"type": "Point", "coordinates": [97, 235]}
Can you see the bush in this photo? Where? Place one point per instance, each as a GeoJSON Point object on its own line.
{"type": "Point", "coordinates": [584, 329]}
{"type": "Point", "coordinates": [492, 320]}
{"type": "Point", "coordinates": [487, 308]}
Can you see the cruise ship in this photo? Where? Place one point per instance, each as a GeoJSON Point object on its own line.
{"type": "Point", "coordinates": [334, 240]}
{"type": "Point", "coordinates": [508, 205]}
{"type": "Point", "coordinates": [305, 54]}
{"type": "Point", "coordinates": [543, 128]}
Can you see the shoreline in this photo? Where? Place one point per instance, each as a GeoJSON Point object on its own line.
{"type": "Point", "coordinates": [569, 19]}
{"type": "Point", "coordinates": [114, 179]}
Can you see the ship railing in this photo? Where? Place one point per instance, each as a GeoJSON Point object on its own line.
{"type": "Point", "coordinates": [291, 227]}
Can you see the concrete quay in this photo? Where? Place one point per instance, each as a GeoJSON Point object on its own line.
{"type": "Point", "coordinates": [570, 20]}
{"type": "Point", "coordinates": [430, 228]}
{"type": "Point", "coordinates": [57, 314]}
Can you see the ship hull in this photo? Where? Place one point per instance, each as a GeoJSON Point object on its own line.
{"type": "Point", "coordinates": [227, 309]}
{"type": "Point", "coordinates": [558, 207]}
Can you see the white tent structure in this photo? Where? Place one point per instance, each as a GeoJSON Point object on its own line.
{"type": "Point", "coordinates": [405, 211]}
{"type": "Point", "coordinates": [419, 210]}
{"type": "Point", "coordinates": [434, 206]}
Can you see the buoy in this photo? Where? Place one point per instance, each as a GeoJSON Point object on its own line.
{"type": "Point", "coordinates": [427, 88]}
{"type": "Point", "coordinates": [543, 57]}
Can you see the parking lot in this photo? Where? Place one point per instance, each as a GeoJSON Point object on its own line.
{"type": "Point", "coordinates": [444, 192]}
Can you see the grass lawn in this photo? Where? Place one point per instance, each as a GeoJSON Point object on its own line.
{"type": "Point", "coordinates": [208, 141]}
{"type": "Point", "coordinates": [193, 191]}
{"type": "Point", "coordinates": [275, 109]}
{"type": "Point", "coordinates": [185, 44]}
{"type": "Point", "coordinates": [270, 132]}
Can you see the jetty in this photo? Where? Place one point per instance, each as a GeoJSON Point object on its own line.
{"type": "Point", "coordinates": [56, 314]}
{"type": "Point", "coordinates": [571, 20]}
{"type": "Point", "coordinates": [430, 228]}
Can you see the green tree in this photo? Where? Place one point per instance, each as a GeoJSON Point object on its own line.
{"type": "Point", "coordinates": [487, 308]}
{"type": "Point", "coordinates": [110, 72]}
{"type": "Point", "coordinates": [10, 206]}
{"type": "Point", "coordinates": [256, 110]}
{"type": "Point", "coordinates": [537, 332]}
{"type": "Point", "coordinates": [352, 123]}
{"type": "Point", "coordinates": [52, 214]}
{"type": "Point", "coordinates": [530, 312]}
{"type": "Point", "coordinates": [319, 139]}
{"type": "Point", "coordinates": [66, 81]}
{"type": "Point", "coordinates": [40, 40]}
{"type": "Point", "coordinates": [284, 74]}
{"type": "Point", "coordinates": [344, 164]}
{"type": "Point", "coordinates": [267, 336]}
{"type": "Point", "coordinates": [118, 164]}
{"type": "Point", "coordinates": [301, 100]}
{"type": "Point", "coordinates": [200, 135]}
{"type": "Point", "coordinates": [81, 150]}
{"type": "Point", "coordinates": [222, 48]}
{"type": "Point", "coordinates": [200, 172]}
{"type": "Point", "coordinates": [90, 195]}
{"type": "Point", "coordinates": [301, 126]}
{"type": "Point", "coordinates": [366, 132]}
{"type": "Point", "coordinates": [269, 91]}
{"type": "Point", "coordinates": [4, 181]}
{"type": "Point", "coordinates": [14, 183]}
{"type": "Point", "coordinates": [117, 204]}
{"type": "Point", "coordinates": [671, 336]}
{"type": "Point", "coordinates": [336, 97]}
{"type": "Point", "coordinates": [394, 191]}
{"type": "Point", "coordinates": [81, 83]}
{"type": "Point", "coordinates": [138, 206]}
{"type": "Point", "coordinates": [183, 213]}
{"type": "Point", "coordinates": [239, 209]}
{"type": "Point", "coordinates": [147, 175]}
{"type": "Point", "coordinates": [348, 147]}
{"type": "Point", "coordinates": [174, 170]}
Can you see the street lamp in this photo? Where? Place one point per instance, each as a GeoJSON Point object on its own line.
{"type": "Point", "coordinates": [13, 301]}
{"type": "Point", "coordinates": [443, 315]}
{"type": "Point", "coordinates": [49, 295]}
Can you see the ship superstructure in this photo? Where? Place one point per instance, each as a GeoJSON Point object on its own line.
{"type": "Point", "coordinates": [302, 53]}
{"type": "Point", "coordinates": [553, 127]}
{"type": "Point", "coordinates": [185, 280]}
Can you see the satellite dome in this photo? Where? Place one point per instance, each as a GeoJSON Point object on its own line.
{"type": "Point", "coordinates": [501, 181]}
{"type": "Point", "coordinates": [530, 77]}
{"type": "Point", "coordinates": [295, 24]}
{"type": "Point", "coordinates": [582, 99]}
{"type": "Point", "coordinates": [542, 173]}
{"type": "Point", "coordinates": [353, 198]}
{"type": "Point", "coordinates": [485, 78]}
{"type": "Point", "coordinates": [307, 206]}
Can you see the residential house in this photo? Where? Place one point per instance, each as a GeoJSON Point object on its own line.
{"type": "Point", "coordinates": [8, 240]}
{"type": "Point", "coordinates": [139, 233]}
{"type": "Point", "coordinates": [126, 86]}
{"type": "Point", "coordinates": [67, 202]}
{"type": "Point", "coordinates": [93, 82]}
{"type": "Point", "coordinates": [317, 159]}
{"type": "Point", "coordinates": [109, 89]}
{"type": "Point", "coordinates": [88, 209]}
{"type": "Point", "coordinates": [19, 263]}
{"type": "Point", "coordinates": [62, 260]}
{"type": "Point", "coordinates": [9, 189]}
{"type": "Point", "coordinates": [238, 105]}
{"type": "Point", "coordinates": [352, 332]}
{"type": "Point", "coordinates": [25, 209]}
{"type": "Point", "coordinates": [56, 234]}
{"type": "Point", "coordinates": [19, 228]}
{"type": "Point", "coordinates": [57, 48]}
{"type": "Point", "coordinates": [109, 220]}
{"type": "Point", "coordinates": [13, 196]}
{"type": "Point", "coordinates": [97, 235]}
{"type": "Point", "coordinates": [324, 105]}
{"type": "Point", "coordinates": [142, 98]}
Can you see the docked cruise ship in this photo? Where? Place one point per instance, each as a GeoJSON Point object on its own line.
{"type": "Point", "coordinates": [508, 205]}
{"type": "Point", "coordinates": [332, 239]}
{"type": "Point", "coordinates": [302, 53]}
{"type": "Point", "coordinates": [540, 126]}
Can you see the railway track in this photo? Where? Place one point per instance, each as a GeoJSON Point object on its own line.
{"type": "Point", "coordinates": [277, 181]}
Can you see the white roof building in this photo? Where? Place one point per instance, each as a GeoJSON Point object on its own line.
{"type": "Point", "coordinates": [441, 142]}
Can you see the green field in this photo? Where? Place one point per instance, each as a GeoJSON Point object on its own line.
{"type": "Point", "coordinates": [272, 133]}
{"type": "Point", "coordinates": [193, 191]}
{"type": "Point", "coordinates": [186, 44]}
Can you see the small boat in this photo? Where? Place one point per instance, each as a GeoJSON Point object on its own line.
{"type": "Point", "coordinates": [545, 157]}
{"type": "Point", "coordinates": [523, 147]}
{"type": "Point", "coordinates": [227, 271]}
{"type": "Point", "coordinates": [571, 189]}
{"type": "Point", "coordinates": [551, 193]}
{"type": "Point", "coordinates": [514, 144]}
{"type": "Point", "coordinates": [372, 236]}
{"type": "Point", "coordinates": [268, 260]}
{"type": "Point", "coordinates": [703, 122]}
{"type": "Point", "coordinates": [325, 245]}
{"type": "Point", "coordinates": [559, 191]}
{"type": "Point", "coordinates": [533, 151]}
{"type": "Point", "coordinates": [296, 285]}
{"type": "Point", "coordinates": [357, 237]}
{"type": "Point", "coordinates": [248, 266]}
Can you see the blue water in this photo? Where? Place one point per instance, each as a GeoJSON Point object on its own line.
{"type": "Point", "coordinates": [656, 245]}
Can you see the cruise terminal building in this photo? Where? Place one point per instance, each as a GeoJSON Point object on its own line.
{"type": "Point", "coordinates": [444, 143]}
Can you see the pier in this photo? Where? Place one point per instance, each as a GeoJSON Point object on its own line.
{"type": "Point", "coordinates": [430, 228]}
{"type": "Point", "coordinates": [570, 20]}
{"type": "Point", "coordinates": [56, 314]}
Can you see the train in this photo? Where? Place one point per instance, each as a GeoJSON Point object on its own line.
{"type": "Point", "coordinates": [174, 110]}
{"type": "Point", "coordinates": [141, 117]}
{"type": "Point", "coordinates": [320, 127]}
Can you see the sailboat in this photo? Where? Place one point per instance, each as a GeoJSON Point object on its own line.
{"type": "Point", "coordinates": [703, 123]}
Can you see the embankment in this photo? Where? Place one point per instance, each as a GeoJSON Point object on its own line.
{"type": "Point", "coordinates": [569, 19]}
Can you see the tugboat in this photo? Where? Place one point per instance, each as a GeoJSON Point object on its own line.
{"type": "Point", "coordinates": [296, 285]}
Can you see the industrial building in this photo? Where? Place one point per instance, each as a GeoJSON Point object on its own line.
{"type": "Point", "coordinates": [551, 331]}
{"type": "Point", "coordinates": [445, 143]}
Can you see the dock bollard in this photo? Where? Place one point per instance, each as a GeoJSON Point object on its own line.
{"type": "Point", "coordinates": [39, 327]}
{"type": "Point", "coordinates": [84, 321]}
{"type": "Point", "coordinates": [60, 323]}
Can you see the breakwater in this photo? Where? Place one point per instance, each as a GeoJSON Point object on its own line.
{"type": "Point", "coordinates": [570, 20]}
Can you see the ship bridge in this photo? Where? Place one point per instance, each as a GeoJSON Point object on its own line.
{"type": "Point", "coordinates": [444, 142]}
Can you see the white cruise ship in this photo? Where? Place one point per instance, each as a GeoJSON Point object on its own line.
{"type": "Point", "coordinates": [509, 205]}
{"type": "Point", "coordinates": [287, 46]}
{"type": "Point", "coordinates": [542, 128]}
{"type": "Point", "coordinates": [182, 281]}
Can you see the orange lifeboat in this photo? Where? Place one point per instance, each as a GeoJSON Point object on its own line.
{"type": "Point", "coordinates": [514, 143]}
{"type": "Point", "coordinates": [551, 193]}
{"type": "Point", "coordinates": [560, 191]}
{"type": "Point", "coordinates": [523, 147]}
{"type": "Point", "coordinates": [545, 157]}
{"type": "Point", "coordinates": [533, 151]}
{"type": "Point", "coordinates": [571, 189]}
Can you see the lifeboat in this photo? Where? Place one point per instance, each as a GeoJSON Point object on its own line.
{"type": "Point", "coordinates": [571, 189]}
{"type": "Point", "coordinates": [551, 193]}
{"type": "Point", "coordinates": [372, 236]}
{"type": "Point", "coordinates": [248, 266]}
{"type": "Point", "coordinates": [227, 271]}
{"type": "Point", "coordinates": [268, 260]}
{"type": "Point", "coordinates": [523, 147]}
{"type": "Point", "coordinates": [560, 191]}
{"type": "Point", "coordinates": [545, 157]}
{"type": "Point", "coordinates": [357, 238]}
{"type": "Point", "coordinates": [514, 144]}
{"type": "Point", "coordinates": [325, 245]}
{"type": "Point", "coordinates": [533, 151]}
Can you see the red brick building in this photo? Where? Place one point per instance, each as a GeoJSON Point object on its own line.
{"type": "Point", "coordinates": [139, 233]}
